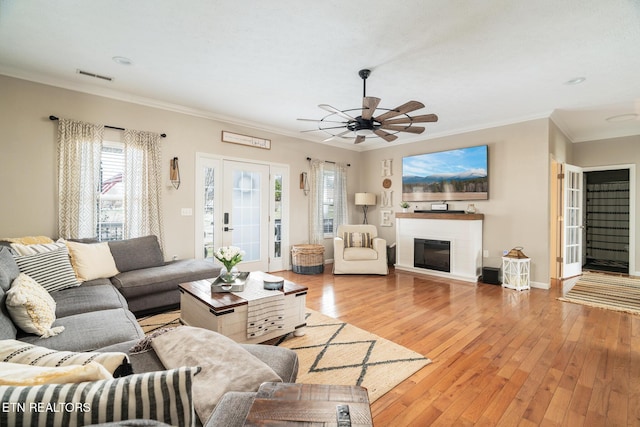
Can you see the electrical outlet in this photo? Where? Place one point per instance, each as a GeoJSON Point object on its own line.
{"type": "Point", "coordinates": [186, 211]}
{"type": "Point", "coordinates": [485, 253]}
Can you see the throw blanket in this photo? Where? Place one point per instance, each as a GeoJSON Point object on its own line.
{"type": "Point", "coordinates": [265, 311]}
{"type": "Point", "coordinates": [226, 366]}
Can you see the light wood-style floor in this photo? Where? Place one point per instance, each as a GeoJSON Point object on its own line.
{"type": "Point", "coordinates": [500, 357]}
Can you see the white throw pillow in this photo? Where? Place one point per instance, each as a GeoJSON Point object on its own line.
{"type": "Point", "coordinates": [17, 374]}
{"type": "Point", "coordinates": [92, 260]}
{"type": "Point", "coordinates": [31, 307]}
{"type": "Point", "coordinates": [14, 351]}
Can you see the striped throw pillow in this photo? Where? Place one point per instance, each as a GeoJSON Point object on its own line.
{"type": "Point", "coordinates": [162, 396]}
{"type": "Point", "coordinates": [36, 248]}
{"type": "Point", "coordinates": [14, 351]}
{"type": "Point", "coordinates": [357, 240]}
{"type": "Point", "coordinates": [50, 269]}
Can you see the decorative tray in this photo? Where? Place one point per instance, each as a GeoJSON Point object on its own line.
{"type": "Point", "coordinates": [217, 285]}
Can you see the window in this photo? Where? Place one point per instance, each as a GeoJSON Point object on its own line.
{"type": "Point", "coordinates": [110, 201]}
{"type": "Point", "coordinates": [328, 186]}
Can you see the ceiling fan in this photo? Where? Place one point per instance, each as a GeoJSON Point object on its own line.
{"type": "Point", "coordinates": [386, 125]}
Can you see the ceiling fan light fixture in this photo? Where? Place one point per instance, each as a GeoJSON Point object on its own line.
{"type": "Point", "coordinates": [364, 132]}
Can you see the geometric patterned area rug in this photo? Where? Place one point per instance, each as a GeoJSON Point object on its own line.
{"type": "Point", "coordinates": [336, 352]}
{"type": "Point", "coordinates": [168, 319]}
{"type": "Point", "coordinates": [606, 291]}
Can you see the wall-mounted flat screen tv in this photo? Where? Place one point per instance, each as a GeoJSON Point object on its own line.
{"type": "Point", "coordinates": [459, 174]}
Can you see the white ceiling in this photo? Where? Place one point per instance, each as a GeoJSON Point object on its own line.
{"type": "Point", "coordinates": [476, 64]}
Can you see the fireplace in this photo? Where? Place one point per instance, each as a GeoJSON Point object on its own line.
{"type": "Point", "coordinates": [432, 254]}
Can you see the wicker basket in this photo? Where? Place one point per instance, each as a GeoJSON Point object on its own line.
{"type": "Point", "coordinates": [307, 259]}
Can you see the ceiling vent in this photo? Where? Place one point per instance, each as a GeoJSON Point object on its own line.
{"type": "Point", "coordinates": [94, 75]}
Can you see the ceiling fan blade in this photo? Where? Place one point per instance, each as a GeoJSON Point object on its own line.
{"type": "Point", "coordinates": [403, 109]}
{"type": "Point", "coordinates": [313, 130]}
{"type": "Point", "coordinates": [426, 118]}
{"type": "Point", "coordinates": [359, 139]}
{"type": "Point", "coordinates": [338, 135]}
{"type": "Point", "coordinates": [322, 121]}
{"type": "Point", "coordinates": [400, 128]}
{"type": "Point", "coordinates": [384, 135]}
{"type": "Point", "coordinates": [334, 110]}
{"type": "Point", "coordinates": [369, 105]}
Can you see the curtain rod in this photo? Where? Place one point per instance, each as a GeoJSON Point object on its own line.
{"type": "Point", "coordinates": [328, 161]}
{"type": "Point", "coordinates": [164, 135]}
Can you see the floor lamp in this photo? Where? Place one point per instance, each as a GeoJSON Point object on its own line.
{"type": "Point", "coordinates": [365, 200]}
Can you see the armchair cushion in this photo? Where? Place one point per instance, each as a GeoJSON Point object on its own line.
{"type": "Point", "coordinates": [359, 254]}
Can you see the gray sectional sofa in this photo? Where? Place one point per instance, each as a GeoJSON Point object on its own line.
{"type": "Point", "coordinates": [97, 317]}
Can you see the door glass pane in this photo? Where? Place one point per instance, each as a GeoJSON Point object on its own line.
{"type": "Point", "coordinates": [208, 216]}
{"type": "Point", "coordinates": [246, 213]}
{"type": "Point", "coordinates": [277, 247]}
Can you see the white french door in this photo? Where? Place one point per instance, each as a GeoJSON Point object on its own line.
{"type": "Point", "coordinates": [245, 212]}
{"type": "Point", "coordinates": [240, 203]}
{"type": "Point", "coordinates": [572, 221]}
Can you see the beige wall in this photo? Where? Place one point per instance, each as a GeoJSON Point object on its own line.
{"type": "Point", "coordinates": [613, 152]}
{"type": "Point", "coordinates": [516, 213]}
{"type": "Point", "coordinates": [27, 147]}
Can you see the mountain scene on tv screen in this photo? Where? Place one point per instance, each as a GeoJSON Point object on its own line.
{"type": "Point", "coordinates": [450, 175]}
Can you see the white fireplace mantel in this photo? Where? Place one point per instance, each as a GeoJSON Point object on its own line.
{"type": "Point", "coordinates": [463, 231]}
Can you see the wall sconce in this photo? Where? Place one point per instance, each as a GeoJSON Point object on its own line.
{"type": "Point", "coordinates": [174, 173]}
{"type": "Point", "coordinates": [304, 183]}
{"type": "Point", "coordinates": [365, 200]}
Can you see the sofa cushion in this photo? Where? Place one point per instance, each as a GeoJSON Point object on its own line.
{"type": "Point", "coordinates": [136, 253]}
{"type": "Point", "coordinates": [92, 260]}
{"type": "Point", "coordinates": [164, 396]}
{"type": "Point", "coordinates": [50, 269]}
{"type": "Point", "coordinates": [8, 272]}
{"type": "Point", "coordinates": [14, 351]}
{"type": "Point", "coordinates": [21, 375]}
{"type": "Point", "coordinates": [147, 281]}
{"type": "Point", "coordinates": [90, 331]}
{"type": "Point", "coordinates": [87, 298]}
{"type": "Point", "coordinates": [232, 410]}
{"type": "Point", "coordinates": [31, 307]}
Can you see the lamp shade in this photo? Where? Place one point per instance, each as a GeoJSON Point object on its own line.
{"type": "Point", "coordinates": [365, 199]}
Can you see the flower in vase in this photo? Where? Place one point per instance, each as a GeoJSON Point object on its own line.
{"type": "Point", "coordinates": [229, 256]}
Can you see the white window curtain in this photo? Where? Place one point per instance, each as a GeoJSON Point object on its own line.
{"type": "Point", "coordinates": [143, 178]}
{"type": "Point", "coordinates": [316, 195]}
{"type": "Point", "coordinates": [340, 203]}
{"type": "Point", "coordinates": [79, 150]}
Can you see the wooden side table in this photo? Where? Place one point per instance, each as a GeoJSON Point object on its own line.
{"type": "Point", "coordinates": [287, 404]}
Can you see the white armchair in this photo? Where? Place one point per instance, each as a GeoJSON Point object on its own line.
{"type": "Point", "coordinates": [357, 249]}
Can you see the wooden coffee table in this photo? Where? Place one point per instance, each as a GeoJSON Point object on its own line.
{"type": "Point", "coordinates": [226, 313]}
{"type": "Point", "coordinates": [287, 404]}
